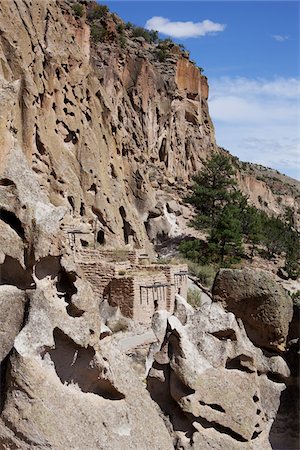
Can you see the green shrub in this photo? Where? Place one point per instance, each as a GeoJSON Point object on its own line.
{"type": "Point", "coordinates": [78, 10]}
{"type": "Point", "coordinates": [120, 28]}
{"type": "Point", "coordinates": [97, 12]}
{"type": "Point", "coordinates": [161, 54]}
{"type": "Point", "coordinates": [98, 33]}
{"type": "Point", "coordinates": [205, 273]}
{"type": "Point", "coordinates": [191, 249]}
{"type": "Point", "coordinates": [194, 298]}
{"type": "Point", "coordinates": [122, 41]}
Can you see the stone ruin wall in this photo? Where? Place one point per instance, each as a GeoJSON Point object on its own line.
{"type": "Point", "coordinates": [169, 272]}
{"type": "Point", "coordinates": [144, 298]}
{"type": "Point", "coordinates": [102, 269]}
{"type": "Point", "coordinates": [136, 295]}
{"type": "Point", "coordinates": [122, 295]}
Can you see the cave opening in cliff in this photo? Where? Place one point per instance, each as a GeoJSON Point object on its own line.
{"type": "Point", "coordinates": [163, 156]}
{"type": "Point", "coordinates": [13, 221]}
{"type": "Point", "coordinates": [127, 228]}
{"type": "Point", "coordinates": [39, 145]}
{"type": "Point", "coordinates": [101, 237]}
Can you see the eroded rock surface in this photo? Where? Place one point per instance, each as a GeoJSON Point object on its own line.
{"type": "Point", "coordinates": [97, 147]}
{"type": "Point", "coordinates": [216, 387]}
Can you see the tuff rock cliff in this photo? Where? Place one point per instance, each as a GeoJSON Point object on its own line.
{"type": "Point", "coordinates": [100, 141]}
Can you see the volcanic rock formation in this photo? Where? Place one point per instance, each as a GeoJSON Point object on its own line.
{"type": "Point", "coordinates": [97, 147]}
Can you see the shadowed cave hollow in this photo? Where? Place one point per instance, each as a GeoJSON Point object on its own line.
{"type": "Point", "coordinates": [75, 364]}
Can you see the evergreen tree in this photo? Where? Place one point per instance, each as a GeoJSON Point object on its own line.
{"type": "Point", "coordinates": [213, 188]}
{"type": "Point", "coordinates": [227, 235]}
{"type": "Point", "coordinates": [252, 227]}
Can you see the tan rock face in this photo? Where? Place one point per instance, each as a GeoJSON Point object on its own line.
{"type": "Point", "coordinates": [188, 78]}
{"type": "Point", "coordinates": [263, 305]}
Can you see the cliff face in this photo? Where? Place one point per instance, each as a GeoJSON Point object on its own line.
{"type": "Point", "coordinates": [98, 143]}
{"type": "Point", "coordinates": [108, 132]}
{"type": "Point", "coordinates": [101, 128]}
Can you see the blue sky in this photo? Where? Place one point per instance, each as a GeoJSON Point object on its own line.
{"type": "Point", "coordinates": [250, 53]}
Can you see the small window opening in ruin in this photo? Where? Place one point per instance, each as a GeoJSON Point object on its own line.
{"type": "Point", "coordinates": [84, 243]}
{"type": "Point", "coordinates": [100, 237]}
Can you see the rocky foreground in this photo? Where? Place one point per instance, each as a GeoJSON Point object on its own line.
{"type": "Point", "coordinates": [97, 146]}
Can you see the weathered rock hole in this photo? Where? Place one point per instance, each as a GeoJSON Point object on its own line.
{"type": "Point", "coordinates": [225, 334]}
{"type": "Point", "coordinates": [71, 202]}
{"type": "Point", "coordinates": [75, 365]}
{"type": "Point", "coordinates": [71, 137]}
{"type": "Point", "coordinates": [214, 406]}
{"type": "Point", "coordinates": [82, 209]}
{"type": "Point", "coordinates": [13, 273]}
{"type": "Point", "coordinates": [13, 221]}
{"type": "Point", "coordinates": [236, 363]}
{"type": "Point", "coordinates": [93, 188]}
{"type": "Point", "coordinates": [7, 182]}
{"type": "Point", "coordinates": [220, 428]}
{"type": "Point", "coordinates": [113, 171]}
{"type": "Point", "coordinates": [276, 377]}
{"type": "Point", "coordinates": [255, 434]}
{"type": "Point", "coordinates": [255, 398]}
{"type": "Point", "coordinates": [163, 155]}
{"type": "Point", "coordinates": [48, 266]}
{"type": "Point", "coordinates": [74, 311]}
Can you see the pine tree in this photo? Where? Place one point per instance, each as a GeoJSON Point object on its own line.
{"type": "Point", "coordinates": [213, 188]}
{"type": "Point", "coordinates": [227, 235]}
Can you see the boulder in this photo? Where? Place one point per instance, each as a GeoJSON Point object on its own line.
{"type": "Point", "coordinates": [263, 305]}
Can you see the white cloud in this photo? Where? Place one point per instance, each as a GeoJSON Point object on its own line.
{"type": "Point", "coordinates": [183, 29]}
{"type": "Point", "coordinates": [280, 37]}
{"type": "Point", "coordinates": [258, 120]}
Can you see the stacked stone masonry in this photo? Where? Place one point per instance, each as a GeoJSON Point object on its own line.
{"type": "Point", "coordinates": [126, 280]}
